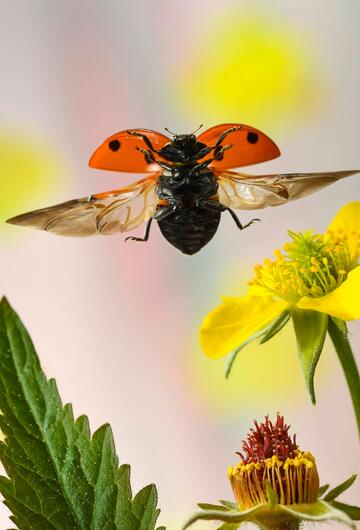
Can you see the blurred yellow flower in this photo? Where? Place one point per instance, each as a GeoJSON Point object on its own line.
{"type": "Point", "coordinates": [28, 168]}
{"type": "Point", "coordinates": [314, 272]}
{"type": "Point", "coordinates": [250, 63]}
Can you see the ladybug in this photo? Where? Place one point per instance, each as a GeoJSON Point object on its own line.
{"type": "Point", "coordinates": [188, 185]}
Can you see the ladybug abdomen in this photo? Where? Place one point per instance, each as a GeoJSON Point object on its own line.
{"type": "Point", "coordinates": [190, 228]}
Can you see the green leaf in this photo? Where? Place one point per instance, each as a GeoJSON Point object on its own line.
{"type": "Point", "coordinates": [338, 490]}
{"type": "Point", "coordinates": [275, 327]}
{"type": "Point", "coordinates": [144, 509]}
{"type": "Point", "coordinates": [58, 475]}
{"type": "Point", "coordinates": [272, 497]}
{"type": "Point", "coordinates": [267, 333]}
{"type": "Point", "coordinates": [323, 489]}
{"type": "Point", "coordinates": [352, 511]}
{"type": "Point", "coordinates": [310, 330]}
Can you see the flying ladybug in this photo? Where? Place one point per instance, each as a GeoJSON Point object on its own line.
{"type": "Point", "coordinates": [187, 186]}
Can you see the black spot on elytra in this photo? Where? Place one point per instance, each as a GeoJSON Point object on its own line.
{"type": "Point", "coordinates": [252, 137]}
{"type": "Point", "coordinates": [114, 145]}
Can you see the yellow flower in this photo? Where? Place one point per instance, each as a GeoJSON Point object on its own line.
{"type": "Point", "coordinates": [276, 485]}
{"type": "Point", "coordinates": [313, 272]}
{"type": "Point", "coordinates": [315, 281]}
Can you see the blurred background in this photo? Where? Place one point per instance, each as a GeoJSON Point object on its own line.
{"type": "Point", "coordinates": [117, 325]}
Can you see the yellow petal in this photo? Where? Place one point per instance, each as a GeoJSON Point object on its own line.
{"type": "Point", "coordinates": [347, 219]}
{"type": "Point", "coordinates": [235, 321]}
{"type": "Point", "coordinates": [343, 302]}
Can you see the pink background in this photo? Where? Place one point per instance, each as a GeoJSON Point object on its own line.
{"type": "Point", "coordinates": [117, 324]}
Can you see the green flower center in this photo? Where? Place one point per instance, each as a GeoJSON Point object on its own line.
{"type": "Point", "coordinates": [310, 265]}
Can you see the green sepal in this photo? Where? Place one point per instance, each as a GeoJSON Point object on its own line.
{"type": "Point", "coordinates": [275, 516]}
{"type": "Point", "coordinates": [224, 506]}
{"type": "Point", "coordinates": [206, 506]}
{"type": "Point", "coordinates": [338, 490]}
{"type": "Point", "coordinates": [352, 511]}
{"type": "Point", "coordinates": [268, 332]}
{"type": "Point", "coordinates": [318, 511]}
{"type": "Point", "coordinates": [230, 517]}
{"type": "Point", "coordinates": [341, 325]}
{"type": "Point", "coordinates": [272, 497]}
{"type": "Point", "coordinates": [310, 330]}
{"type": "Point", "coordinates": [323, 489]}
{"type": "Point", "coordinates": [229, 505]}
{"type": "Point", "coordinates": [275, 327]}
{"type": "Point", "coordinates": [232, 355]}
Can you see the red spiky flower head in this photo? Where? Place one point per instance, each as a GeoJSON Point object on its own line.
{"type": "Point", "coordinates": [268, 439]}
{"type": "Point", "coordinates": [270, 454]}
{"type": "Point", "coordinates": [276, 486]}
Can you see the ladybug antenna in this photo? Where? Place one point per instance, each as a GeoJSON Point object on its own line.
{"type": "Point", "coordinates": [174, 134]}
{"type": "Point", "coordinates": [166, 129]}
{"type": "Point", "coordinates": [198, 129]}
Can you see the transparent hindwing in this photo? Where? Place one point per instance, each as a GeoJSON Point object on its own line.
{"type": "Point", "coordinates": [106, 213]}
{"type": "Point", "coordinates": [247, 192]}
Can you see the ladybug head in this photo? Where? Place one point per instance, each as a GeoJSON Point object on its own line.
{"type": "Point", "coordinates": [184, 141]}
{"type": "Point", "coordinates": [182, 148]}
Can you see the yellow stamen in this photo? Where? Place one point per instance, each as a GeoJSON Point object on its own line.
{"type": "Point", "coordinates": [295, 480]}
{"type": "Point", "coordinates": [312, 265]}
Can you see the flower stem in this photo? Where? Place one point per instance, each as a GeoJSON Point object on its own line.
{"type": "Point", "coordinates": [338, 334]}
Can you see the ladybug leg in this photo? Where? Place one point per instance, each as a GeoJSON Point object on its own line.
{"type": "Point", "coordinates": [237, 220]}
{"type": "Point", "coordinates": [208, 204]}
{"type": "Point", "coordinates": [220, 150]}
{"type": "Point", "coordinates": [149, 157]}
{"type": "Point", "coordinates": [161, 213]}
{"type": "Point", "coordinates": [218, 156]}
{"type": "Point", "coordinates": [202, 165]}
{"type": "Point", "coordinates": [146, 235]}
{"type": "Point", "coordinates": [205, 151]}
{"type": "Point", "coordinates": [224, 135]}
{"type": "Point", "coordinates": [165, 211]}
{"type": "Point", "coordinates": [146, 140]}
